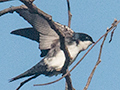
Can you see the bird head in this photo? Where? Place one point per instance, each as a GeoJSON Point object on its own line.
{"type": "Point", "coordinates": [83, 40]}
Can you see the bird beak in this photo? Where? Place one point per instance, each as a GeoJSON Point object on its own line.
{"type": "Point", "coordinates": [93, 42]}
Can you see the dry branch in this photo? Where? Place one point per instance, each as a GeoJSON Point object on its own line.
{"type": "Point", "coordinates": [113, 26]}
{"type": "Point", "coordinates": [69, 14]}
{"type": "Point", "coordinates": [68, 84]}
{"type": "Point", "coordinates": [4, 0]}
{"type": "Point", "coordinates": [11, 9]}
{"type": "Point", "coordinates": [97, 63]}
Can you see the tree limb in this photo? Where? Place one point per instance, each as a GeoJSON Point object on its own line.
{"type": "Point", "coordinates": [69, 14]}
{"type": "Point", "coordinates": [99, 60]}
{"type": "Point", "coordinates": [4, 0]}
{"type": "Point", "coordinates": [11, 9]}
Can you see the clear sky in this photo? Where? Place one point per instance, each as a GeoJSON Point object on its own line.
{"type": "Point", "coordinates": [17, 54]}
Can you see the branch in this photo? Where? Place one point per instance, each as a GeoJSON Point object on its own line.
{"type": "Point", "coordinates": [69, 14]}
{"type": "Point", "coordinates": [99, 60]}
{"type": "Point", "coordinates": [68, 85]}
{"type": "Point", "coordinates": [11, 9]}
{"type": "Point", "coordinates": [4, 0]}
{"type": "Point", "coordinates": [116, 23]}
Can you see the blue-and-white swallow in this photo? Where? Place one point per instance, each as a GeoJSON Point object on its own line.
{"type": "Point", "coordinates": [49, 44]}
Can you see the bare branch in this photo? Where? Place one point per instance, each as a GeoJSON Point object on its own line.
{"type": "Point", "coordinates": [99, 60]}
{"type": "Point", "coordinates": [115, 20]}
{"type": "Point", "coordinates": [91, 75]}
{"type": "Point", "coordinates": [11, 9]}
{"type": "Point", "coordinates": [4, 0]}
{"type": "Point", "coordinates": [69, 14]}
{"type": "Point", "coordinates": [112, 34]}
{"type": "Point", "coordinates": [68, 85]}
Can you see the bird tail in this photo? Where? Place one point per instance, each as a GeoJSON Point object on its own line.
{"type": "Point", "coordinates": [25, 74]}
{"type": "Point", "coordinates": [35, 70]}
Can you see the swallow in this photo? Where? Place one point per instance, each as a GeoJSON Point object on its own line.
{"type": "Point", "coordinates": [49, 44]}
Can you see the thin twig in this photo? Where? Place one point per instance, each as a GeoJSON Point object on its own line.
{"type": "Point", "coordinates": [112, 34]}
{"type": "Point", "coordinates": [4, 0]}
{"type": "Point", "coordinates": [82, 57]}
{"type": "Point", "coordinates": [69, 14]}
{"type": "Point", "coordinates": [98, 61]}
{"type": "Point", "coordinates": [11, 9]}
{"type": "Point", "coordinates": [68, 84]}
{"type": "Point", "coordinates": [115, 20]}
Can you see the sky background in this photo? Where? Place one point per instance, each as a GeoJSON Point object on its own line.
{"type": "Point", "coordinates": [18, 54]}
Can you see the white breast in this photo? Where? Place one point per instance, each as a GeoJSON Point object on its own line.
{"type": "Point", "coordinates": [58, 61]}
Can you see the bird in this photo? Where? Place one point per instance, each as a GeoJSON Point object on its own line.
{"type": "Point", "coordinates": [49, 44]}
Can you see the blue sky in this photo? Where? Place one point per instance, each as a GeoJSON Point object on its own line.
{"type": "Point", "coordinates": [92, 17]}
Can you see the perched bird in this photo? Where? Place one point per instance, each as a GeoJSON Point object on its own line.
{"type": "Point", "coordinates": [49, 44]}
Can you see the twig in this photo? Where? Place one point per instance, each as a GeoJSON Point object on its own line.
{"type": "Point", "coordinates": [34, 9]}
{"type": "Point", "coordinates": [82, 57]}
{"type": "Point", "coordinates": [11, 9]}
{"type": "Point", "coordinates": [69, 14]}
{"type": "Point", "coordinates": [112, 34]}
{"type": "Point", "coordinates": [114, 25]}
{"type": "Point", "coordinates": [115, 20]}
{"type": "Point", "coordinates": [98, 61]}
{"type": "Point", "coordinates": [68, 84]}
{"type": "Point", "coordinates": [91, 75]}
{"type": "Point", "coordinates": [4, 0]}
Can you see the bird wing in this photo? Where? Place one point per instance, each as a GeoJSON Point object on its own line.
{"type": "Point", "coordinates": [46, 34]}
{"type": "Point", "coordinates": [41, 30]}
{"type": "Point", "coordinates": [30, 33]}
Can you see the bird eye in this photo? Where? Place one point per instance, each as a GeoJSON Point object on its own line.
{"type": "Point", "coordinates": [86, 37]}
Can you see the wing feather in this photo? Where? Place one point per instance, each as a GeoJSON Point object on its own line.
{"type": "Point", "coordinates": [41, 31]}
{"type": "Point", "coordinates": [46, 34]}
